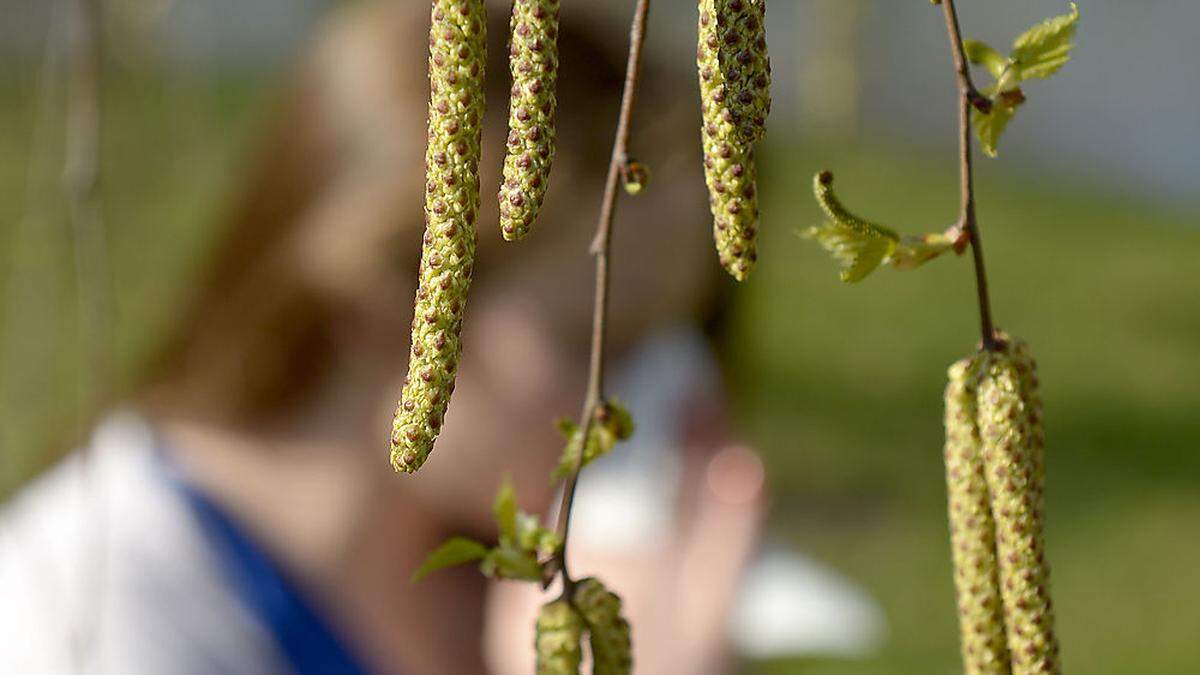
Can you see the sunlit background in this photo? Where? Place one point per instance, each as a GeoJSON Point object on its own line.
{"type": "Point", "coordinates": [1089, 220]}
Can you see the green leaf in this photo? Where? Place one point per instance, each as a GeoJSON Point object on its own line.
{"type": "Point", "coordinates": [533, 538]}
{"type": "Point", "coordinates": [990, 126]}
{"type": "Point", "coordinates": [455, 551]}
{"type": "Point", "coordinates": [618, 420]}
{"type": "Point", "coordinates": [504, 509]}
{"type": "Point", "coordinates": [566, 427]}
{"type": "Point", "coordinates": [1043, 49]}
{"type": "Point", "coordinates": [982, 54]}
{"type": "Point", "coordinates": [508, 562]}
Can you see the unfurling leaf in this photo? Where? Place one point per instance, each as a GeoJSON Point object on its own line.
{"type": "Point", "coordinates": [612, 424]}
{"type": "Point", "coordinates": [990, 126]}
{"type": "Point", "coordinates": [533, 538]}
{"type": "Point", "coordinates": [858, 245]}
{"type": "Point", "coordinates": [456, 551]}
{"type": "Point", "coordinates": [982, 54]}
{"type": "Point", "coordinates": [861, 246]}
{"type": "Point", "coordinates": [504, 509]}
{"type": "Point", "coordinates": [1043, 49]}
{"type": "Point", "coordinates": [506, 561]}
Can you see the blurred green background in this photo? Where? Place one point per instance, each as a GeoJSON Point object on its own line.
{"type": "Point", "coordinates": [839, 386]}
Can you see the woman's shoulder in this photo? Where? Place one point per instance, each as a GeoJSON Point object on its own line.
{"type": "Point", "coordinates": [102, 562]}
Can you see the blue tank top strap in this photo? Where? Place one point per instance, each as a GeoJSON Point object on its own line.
{"type": "Point", "coordinates": [308, 643]}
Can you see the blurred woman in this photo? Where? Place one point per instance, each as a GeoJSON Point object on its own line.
{"type": "Point", "coordinates": [239, 515]}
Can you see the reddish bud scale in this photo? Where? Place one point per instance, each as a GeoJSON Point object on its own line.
{"type": "Point", "coordinates": [457, 56]}
{"type": "Point", "coordinates": [533, 60]}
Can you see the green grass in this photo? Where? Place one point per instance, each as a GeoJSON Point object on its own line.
{"type": "Point", "coordinates": [840, 386]}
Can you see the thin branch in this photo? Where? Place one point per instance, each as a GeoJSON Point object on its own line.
{"type": "Point", "coordinates": [600, 248]}
{"type": "Point", "coordinates": [81, 185]}
{"type": "Point", "coordinates": [94, 299]}
{"type": "Point", "coordinates": [969, 98]}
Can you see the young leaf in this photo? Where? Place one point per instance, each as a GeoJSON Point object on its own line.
{"type": "Point", "coordinates": [858, 245]}
{"type": "Point", "coordinates": [455, 551]}
{"type": "Point", "coordinates": [1038, 53]}
{"type": "Point", "coordinates": [504, 509]}
{"type": "Point", "coordinates": [990, 126]}
{"type": "Point", "coordinates": [533, 538]}
{"type": "Point", "coordinates": [981, 54]}
{"type": "Point", "coordinates": [1043, 49]}
{"type": "Point", "coordinates": [509, 562]}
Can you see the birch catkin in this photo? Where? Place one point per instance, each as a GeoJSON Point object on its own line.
{"type": "Point", "coordinates": [731, 105]}
{"type": "Point", "coordinates": [744, 61]}
{"type": "Point", "coordinates": [533, 60]}
{"type": "Point", "coordinates": [1011, 435]}
{"type": "Point", "coordinates": [972, 530]}
{"type": "Point", "coordinates": [457, 55]}
{"type": "Point", "coordinates": [609, 634]}
{"type": "Point", "coordinates": [559, 631]}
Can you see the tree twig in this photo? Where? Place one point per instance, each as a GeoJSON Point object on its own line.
{"type": "Point", "coordinates": [81, 185]}
{"type": "Point", "coordinates": [94, 294]}
{"type": "Point", "coordinates": [600, 247]}
{"type": "Point", "coordinates": [969, 97]}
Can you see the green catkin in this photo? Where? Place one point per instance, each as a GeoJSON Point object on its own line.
{"type": "Point", "coordinates": [972, 530]}
{"type": "Point", "coordinates": [559, 631]}
{"type": "Point", "coordinates": [457, 56]}
{"type": "Point", "coordinates": [729, 168]}
{"type": "Point", "coordinates": [609, 634]}
{"type": "Point", "coordinates": [1010, 429]}
{"type": "Point", "coordinates": [533, 60]}
{"type": "Point", "coordinates": [741, 28]}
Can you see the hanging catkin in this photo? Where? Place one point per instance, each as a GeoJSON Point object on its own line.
{"type": "Point", "coordinates": [1010, 428]}
{"type": "Point", "coordinates": [609, 635]}
{"type": "Point", "coordinates": [731, 60]}
{"type": "Point", "coordinates": [533, 60]}
{"type": "Point", "coordinates": [972, 530]}
{"type": "Point", "coordinates": [457, 55]}
{"type": "Point", "coordinates": [745, 64]}
{"type": "Point", "coordinates": [559, 630]}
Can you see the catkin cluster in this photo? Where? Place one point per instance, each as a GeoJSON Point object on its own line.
{"type": "Point", "coordinates": [457, 56]}
{"type": "Point", "coordinates": [609, 634]}
{"type": "Point", "coordinates": [994, 431]}
{"type": "Point", "coordinates": [734, 71]}
{"type": "Point", "coordinates": [533, 60]}
{"type": "Point", "coordinates": [559, 631]}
